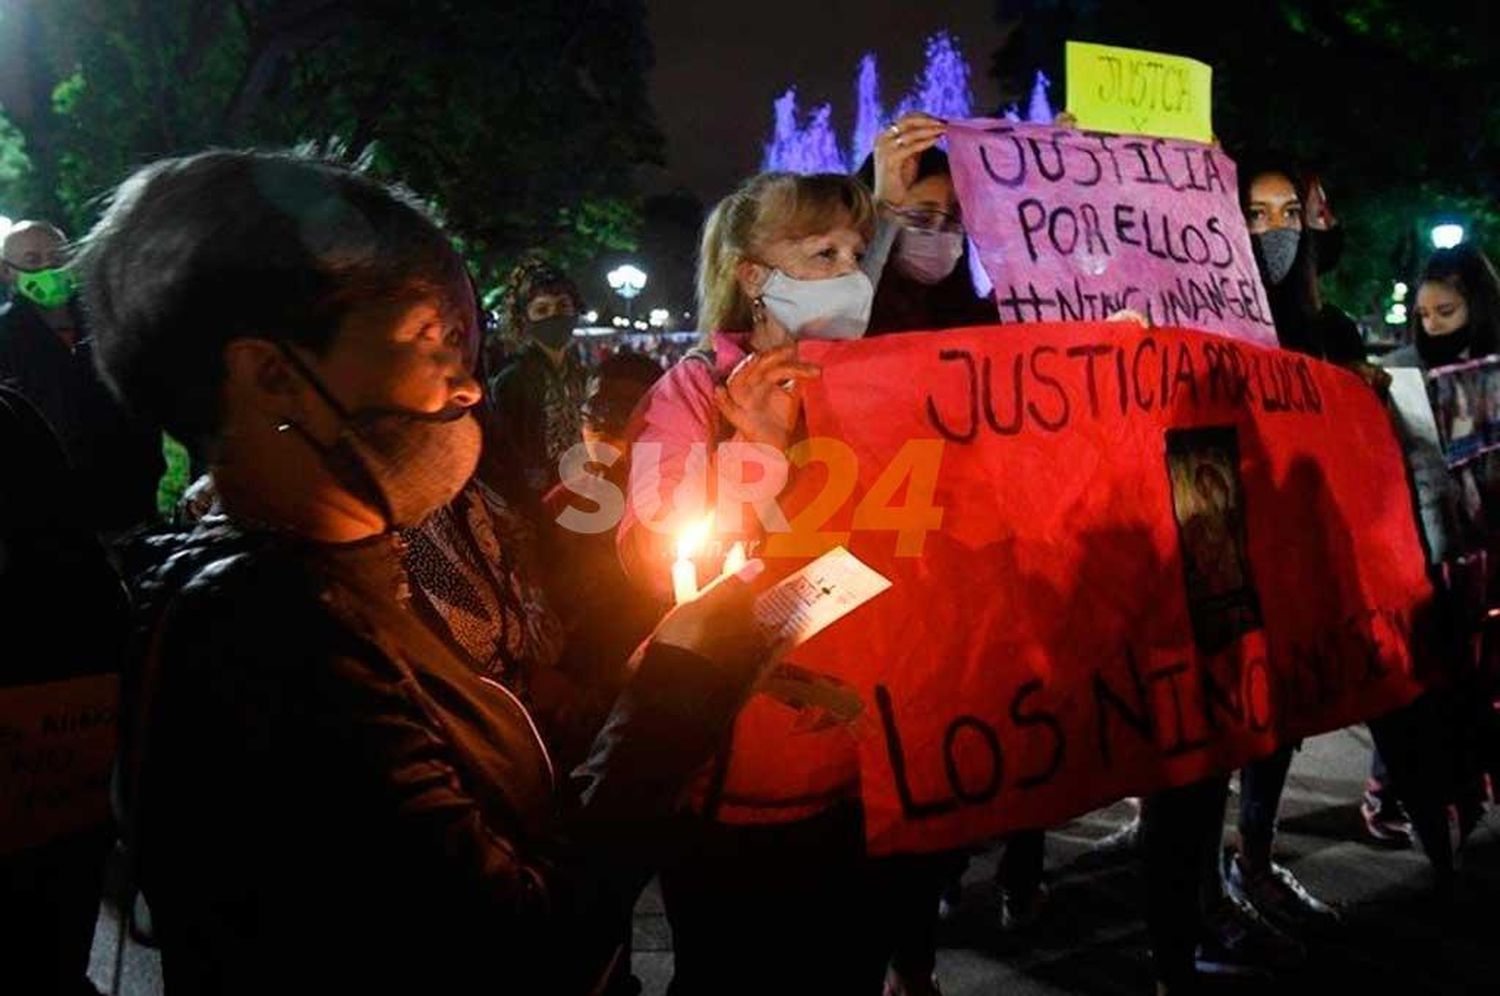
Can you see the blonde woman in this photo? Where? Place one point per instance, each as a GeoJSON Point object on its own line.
{"type": "Point", "coordinates": [772, 891]}
{"type": "Point", "coordinates": [779, 262]}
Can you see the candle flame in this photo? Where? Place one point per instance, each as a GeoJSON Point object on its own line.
{"type": "Point", "coordinates": [734, 560]}
{"type": "Point", "coordinates": [692, 539]}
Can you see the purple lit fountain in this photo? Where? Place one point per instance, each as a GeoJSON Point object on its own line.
{"type": "Point", "coordinates": [809, 148]}
{"type": "Point", "coordinates": [942, 88]}
{"type": "Point", "coordinates": [869, 115]}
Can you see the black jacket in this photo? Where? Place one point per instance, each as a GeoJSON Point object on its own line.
{"type": "Point", "coordinates": [537, 406]}
{"type": "Point", "coordinates": [117, 457]}
{"type": "Point", "coordinates": [323, 798]}
{"type": "Point", "coordinates": [64, 608]}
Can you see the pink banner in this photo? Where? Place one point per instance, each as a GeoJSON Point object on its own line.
{"type": "Point", "coordinates": [1075, 226]}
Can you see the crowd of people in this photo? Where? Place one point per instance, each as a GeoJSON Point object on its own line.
{"type": "Point", "coordinates": [385, 727]}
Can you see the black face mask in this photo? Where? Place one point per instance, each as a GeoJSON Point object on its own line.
{"type": "Point", "coordinates": [1442, 350]}
{"type": "Point", "coordinates": [554, 332]}
{"type": "Point", "coordinates": [404, 463]}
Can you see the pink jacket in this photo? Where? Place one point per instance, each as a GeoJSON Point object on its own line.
{"type": "Point", "coordinates": [784, 763]}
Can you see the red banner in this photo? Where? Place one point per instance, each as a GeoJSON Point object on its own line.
{"type": "Point", "coordinates": [1121, 559]}
{"type": "Point", "coordinates": [57, 748]}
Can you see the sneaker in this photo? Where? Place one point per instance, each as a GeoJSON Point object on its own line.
{"type": "Point", "coordinates": [1238, 941]}
{"type": "Point", "coordinates": [1018, 911]}
{"type": "Point", "coordinates": [1278, 897]}
{"type": "Point", "coordinates": [1385, 818]}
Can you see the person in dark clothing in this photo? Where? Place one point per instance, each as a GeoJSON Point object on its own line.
{"type": "Point", "coordinates": [321, 796]}
{"type": "Point", "coordinates": [1241, 919]}
{"type": "Point", "coordinates": [537, 395]}
{"type": "Point", "coordinates": [52, 854]}
{"type": "Point", "coordinates": [918, 259]}
{"type": "Point", "coordinates": [46, 354]}
{"type": "Point", "coordinates": [1456, 318]}
{"type": "Point", "coordinates": [601, 612]}
{"type": "Point", "coordinates": [1287, 254]}
{"type": "Point", "coordinates": [1457, 311]}
{"type": "Point", "coordinates": [1274, 198]}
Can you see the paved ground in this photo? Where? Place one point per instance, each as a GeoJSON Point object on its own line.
{"type": "Point", "coordinates": [1396, 938]}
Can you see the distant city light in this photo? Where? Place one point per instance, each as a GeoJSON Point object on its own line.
{"type": "Point", "coordinates": [641, 325]}
{"type": "Point", "coordinates": [1447, 236]}
{"type": "Point", "coordinates": [660, 317]}
{"type": "Point", "coordinates": [591, 316]}
{"type": "Point", "coordinates": [626, 281]}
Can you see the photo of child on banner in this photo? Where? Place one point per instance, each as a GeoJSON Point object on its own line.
{"type": "Point", "coordinates": [1208, 501]}
{"type": "Point", "coordinates": [1466, 400]}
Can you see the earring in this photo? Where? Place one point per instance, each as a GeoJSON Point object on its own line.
{"type": "Point", "coordinates": [758, 311]}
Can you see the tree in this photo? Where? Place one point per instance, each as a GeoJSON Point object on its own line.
{"type": "Point", "coordinates": [521, 121]}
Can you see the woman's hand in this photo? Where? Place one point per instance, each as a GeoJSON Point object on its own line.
{"type": "Point", "coordinates": [1378, 378]}
{"type": "Point", "coordinates": [720, 625]}
{"type": "Point", "coordinates": [1129, 315]}
{"type": "Point", "coordinates": [896, 152]}
{"type": "Point", "coordinates": [762, 399]}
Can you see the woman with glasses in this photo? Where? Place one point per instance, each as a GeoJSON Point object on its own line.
{"type": "Point", "coordinates": [918, 259]}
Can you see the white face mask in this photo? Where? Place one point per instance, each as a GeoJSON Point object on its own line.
{"type": "Point", "coordinates": [928, 257]}
{"type": "Point", "coordinates": [835, 308]}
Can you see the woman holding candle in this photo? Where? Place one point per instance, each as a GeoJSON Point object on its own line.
{"type": "Point", "coordinates": [391, 820]}
{"type": "Point", "coordinates": [779, 262]}
{"type": "Point", "coordinates": [774, 892]}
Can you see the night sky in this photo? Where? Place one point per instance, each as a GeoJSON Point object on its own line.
{"type": "Point", "coordinates": [719, 66]}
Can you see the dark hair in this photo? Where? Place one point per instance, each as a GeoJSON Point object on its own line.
{"type": "Point", "coordinates": [931, 162]}
{"type": "Point", "coordinates": [531, 277]}
{"type": "Point", "coordinates": [1469, 271]}
{"type": "Point", "coordinates": [616, 388]}
{"type": "Point", "coordinates": [1296, 301]}
{"type": "Point", "coordinates": [193, 253]}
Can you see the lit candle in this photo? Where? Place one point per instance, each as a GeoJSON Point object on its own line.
{"type": "Point", "coordinates": [684, 570]}
{"type": "Point", "coordinates": [734, 559]}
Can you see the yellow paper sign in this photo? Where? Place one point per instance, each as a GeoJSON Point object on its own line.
{"type": "Point", "coordinates": [1131, 92]}
{"type": "Point", "coordinates": [57, 746]}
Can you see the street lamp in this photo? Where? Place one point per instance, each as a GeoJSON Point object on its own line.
{"type": "Point", "coordinates": [627, 281]}
{"type": "Point", "coordinates": [1446, 236]}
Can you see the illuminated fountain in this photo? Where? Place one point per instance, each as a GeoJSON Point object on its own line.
{"type": "Point", "coordinates": [942, 88]}
{"type": "Point", "coordinates": [809, 148]}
